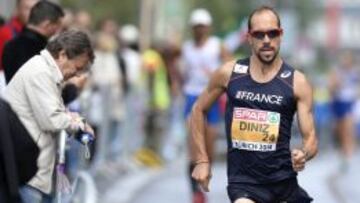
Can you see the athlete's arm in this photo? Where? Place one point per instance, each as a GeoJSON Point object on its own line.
{"type": "Point", "coordinates": [304, 96]}
{"type": "Point", "coordinates": [197, 123]}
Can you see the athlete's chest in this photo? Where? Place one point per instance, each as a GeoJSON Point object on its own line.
{"type": "Point", "coordinates": [274, 95]}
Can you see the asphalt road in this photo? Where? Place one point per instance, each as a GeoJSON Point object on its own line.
{"type": "Point", "coordinates": [323, 179]}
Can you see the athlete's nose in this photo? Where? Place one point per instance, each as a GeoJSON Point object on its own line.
{"type": "Point", "coordinates": [266, 39]}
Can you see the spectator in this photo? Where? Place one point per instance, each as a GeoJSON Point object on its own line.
{"type": "Point", "coordinates": [82, 21]}
{"type": "Point", "coordinates": [129, 55]}
{"type": "Point", "coordinates": [68, 19]}
{"type": "Point", "coordinates": [35, 95]}
{"type": "Point", "coordinates": [12, 28]}
{"type": "Point", "coordinates": [16, 23]}
{"type": "Point", "coordinates": [106, 75]}
{"type": "Point", "coordinates": [44, 21]}
{"type": "Point", "coordinates": [157, 83]}
{"type": "Point", "coordinates": [131, 67]}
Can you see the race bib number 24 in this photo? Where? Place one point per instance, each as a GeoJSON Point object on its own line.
{"type": "Point", "coordinates": [255, 130]}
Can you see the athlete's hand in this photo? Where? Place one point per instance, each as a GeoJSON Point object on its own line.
{"type": "Point", "coordinates": [202, 174]}
{"type": "Point", "coordinates": [298, 158]}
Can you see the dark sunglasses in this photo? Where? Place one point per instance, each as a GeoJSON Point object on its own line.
{"type": "Point", "coordinates": [270, 33]}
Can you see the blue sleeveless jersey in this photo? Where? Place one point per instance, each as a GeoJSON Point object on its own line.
{"type": "Point", "coordinates": [258, 123]}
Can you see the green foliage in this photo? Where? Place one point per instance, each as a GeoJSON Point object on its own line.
{"type": "Point", "coordinates": [307, 10]}
{"type": "Point", "coordinates": [227, 14]}
{"type": "Point", "coordinates": [124, 11]}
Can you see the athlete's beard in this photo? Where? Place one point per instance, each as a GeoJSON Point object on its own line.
{"type": "Point", "coordinates": [267, 61]}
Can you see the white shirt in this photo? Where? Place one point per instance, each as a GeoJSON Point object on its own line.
{"type": "Point", "coordinates": [133, 65]}
{"type": "Point", "coordinates": [348, 83]}
{"type": "Point", "coordinates": [200, 63]}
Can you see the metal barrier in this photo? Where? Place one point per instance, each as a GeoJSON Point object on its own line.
{"type": "Point", "coordinates": [82, 190]}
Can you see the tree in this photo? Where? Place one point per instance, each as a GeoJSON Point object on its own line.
{"type": "Point", "coordinates": [124, 11]}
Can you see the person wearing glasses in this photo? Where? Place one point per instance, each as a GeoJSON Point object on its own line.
{"type": "Point", "coordinates": [264, 92]}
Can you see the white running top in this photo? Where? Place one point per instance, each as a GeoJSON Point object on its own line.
{"type": "Point", "coordinates": [200, 63]}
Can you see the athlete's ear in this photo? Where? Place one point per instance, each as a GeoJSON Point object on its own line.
{"type": "Point", "coordinates": [249, 38]}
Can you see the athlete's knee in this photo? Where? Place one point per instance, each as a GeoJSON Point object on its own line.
{"type": "Point", "coordinates": [244, 200]}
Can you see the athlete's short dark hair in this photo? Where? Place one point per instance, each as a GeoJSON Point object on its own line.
{"type": "Point", "coordinates": [45, 10]}
{"type": "Point", "coordinates": [261, 9]}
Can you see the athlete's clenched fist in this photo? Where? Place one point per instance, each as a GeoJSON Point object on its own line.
{"type": "Point", "coordinates": [298, 158]}
{"type": "Point", "coordinates": [202, 174]}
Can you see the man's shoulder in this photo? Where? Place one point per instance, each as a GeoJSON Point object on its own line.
{"type": "Point", "coordinates": [23, 42]}
{"type": "Point", "coordinates": [14, 44]}
{"type": "Point", "coordinates": [299, 76]}
{"type": "Point", "coordinates": [223, 74]}
{"type": "Point", "coordinates": [228, 67]}
{"type": "Point", "coordinates": [301, 83]}
{"type": "Point", "coordinates": [38, 60]}
{"type": "Point", "coordinates": [33, 70]}
{"type": "Point", "coordinates": [36, 65]}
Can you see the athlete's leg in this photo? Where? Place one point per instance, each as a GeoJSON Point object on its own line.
{"type": "Point", "coordinates": [344, 127]}
{"type": "Point", "coordinates": [244, 200]}
{"type": "Point", "coordinates": [346, 135]}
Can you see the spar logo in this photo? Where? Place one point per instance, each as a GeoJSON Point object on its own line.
{"type": "Point", "coordinates": [256, 115]}
{"type": "Point", "coordinates": [250, 114]}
